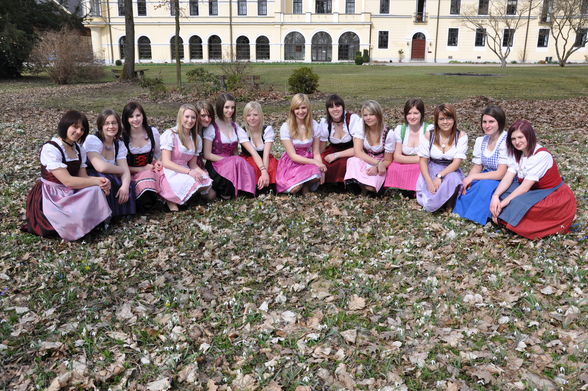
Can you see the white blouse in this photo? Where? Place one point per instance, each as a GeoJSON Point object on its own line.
{"type": "Point", "coordinates": [532, 167]}
{"type": "Point", "coordinates": [147, 147]}
{"type": "Point", "coordinates": [52, 158]}
{"type": "Point", "coordinates": [93, 144]}
{"type": "Point", "coordinates": [455, 152]}
{"type": "Point", "coordinates": [502, 154]}
{"type": "Point", "coordinates": [406, 149]}
{"type": "Point", "coordinates": [240, 137]}
{"type": "Point", "coordinates": [268, 137]}
{"type": "Point", "coordinates": [354, 123]}
{"type": "Point", "coordinates": [389, 143]}
{"type": "Point", "coordinates": [167, 142]}
{"type": "Point", "coordinates": [285, 133]}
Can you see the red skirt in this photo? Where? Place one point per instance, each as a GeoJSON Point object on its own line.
{"type": "Point", "coordinates": [37, 223]}
{"type": "Point", "coordinates": [271, 170]}
{"type": "Point", "coordinates": [336, 169]}
{"type": "Point", "coordinates": [550, 216]}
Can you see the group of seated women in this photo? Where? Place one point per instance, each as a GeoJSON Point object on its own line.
{"type": "Point", "coordinates": [127, 165]}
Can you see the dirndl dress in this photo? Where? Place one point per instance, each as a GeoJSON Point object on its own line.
{"type": "Point", "coordinates": [357, 168]}
{"type": "Point", "coordinates": [146, 182]}
{"type": "Point", "coordinates": [404, 176]}
{"type": "Point", "coordinates": [291, 174]}
{"type": "Point", "coordinates": [267, 135]}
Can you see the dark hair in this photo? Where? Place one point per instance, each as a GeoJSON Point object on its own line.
{"type": "Point", "coordinates": [449, 111]}
{"type": "Point", "coordinates": [102, 119]}
{"type": "Point", "coordinates": [414, 102]}
{"type": "Point", "coordinates": [70, 118]}
{"type": "Point", "coordinates": [220, 105]}
{"type": "Point", "coordinates": [497, 113]}
{"type": "Point", "coordinates": [527, 129]}
{"type": "Point", "coordinates": [332, 101]}
{"type": "Point", "coordinates": [128, 110]}
{"type": "Point", "coordinates": [204, 105]}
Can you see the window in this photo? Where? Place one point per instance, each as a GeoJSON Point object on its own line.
{"type": "Point", "coordinates": [511, 7]}
{"type": "Point", "coordinates": [172, 8]}
{"type": "Point", "coordinates": [212, 7]}
{"type": "Point", "coordinates": [242, 48]}
{"type": "Point", "coordinates": [322, 46]}
{"type": "Point", "coordinates": [584, 8]}
{"type": "Point", "coordinates": [144, 45]}
{"type": "Point", "coordinates": [543, 39]}
{"type": "Point", "coordinates": [141, 7]}
{"type": "Point", "coordinates": [452, 37]}
{"type": "Point", "coordinates": [455, 6]}
{"type": "Point", "coordinates": [121, 7]}
{"type": "Point", "coordinates": [195, 43]}
{"type": "Point", "coordinates": [546, 10]}
{"type": "Point", "coordinates": [384, 6]}
{"type": "Point", "coordinates": [349, 6]}
{"type": "Point", "coordinates": [581, 38]}
{"type": "Point", "coordinates": [122, 43]}
{"type": "Point", "coordinates": [193, 7]}
{"type": "Point", "coordinates": [95, 8]}
{"type": "Point", "coordinates": [294, 46]}
{"type": "Point", "coordinates": [172, 46]}
{"type": "Point", "coordinates": [483, 7]}
{"type": "Point", "coordinates": [508, 37]}
{"type": "Point", "coordinates": [297, 6]}
{"type": "Point", "coordinates": [480, 37]}
{"type": "Point", "coordinates": [323, 6]}
{"type": "Point", "coordinates": [262, 48]}
{"type": "Point", "coordinates": [214, 48]}
{"type": "Point", "coordinates": [261, 7]}
{"type": "Point", "coordinates": [348, 46]}
{"type": "Point", "coordinates": [242, 7]}
{"type": "Point", "coordinates": [382, 40]}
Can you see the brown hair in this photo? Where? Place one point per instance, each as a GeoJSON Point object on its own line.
{"type": "Point", "coordinates": [102, 119]}
{"type": "Point", "coordinates": [527, 129]}
{"type": "Point", "coordinates": [447, 110]}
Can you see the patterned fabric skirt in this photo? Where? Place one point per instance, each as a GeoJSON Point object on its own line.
{"type": "Point", "coordinates": [291, 174]}
{"type": "Point", "coordinates": [450, 186]}
{"type": "Point", "coordinates": [230, 175]}
{"type": "Point", "coordinates": [54, 209]}
{"type": "Point", "coordinates": [118, 209]}
{"type": "Point", "coordinates": [357, 171]}
{"type": "Point", "coordinates": [402, 176]}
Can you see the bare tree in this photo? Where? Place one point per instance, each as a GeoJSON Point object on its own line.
{"type": "Point", "coordinates": [176, 5]}
{"type": "Point", "coordinates": [129, 67]}
{"type": "Point", "coordinates": [499, 20]}
{"type": "Point", "coordinates": [567, 20]}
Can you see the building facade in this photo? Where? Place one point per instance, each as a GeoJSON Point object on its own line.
{"type": "Point", "coordinates": [320, 31]}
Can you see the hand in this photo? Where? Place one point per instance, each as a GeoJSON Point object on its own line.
{"type": "Point", "coordinates": [322, 180]}
{"type": "Point", "coordinates": [263, 180]}
{"type": "Point", "coordinates": [331, 157]}
{"type": "Point", "coordinates": [381, 169]}
{"type": "Point", "coordinates": [157, 165]}
{"type": "Point", "coordinates": [197, 173]}
{"type": "Point", "coordinates": [321, 166]}
{"type": "Point", "coordinates": [495, 207]}
{"type": "Point", "coordinates": [373, 170]}
{"type": "Point", "coordinates": [122, 195]}
{"type": "Point", "coordinates": [434, 186]}
{"type": "Point", "coordinates": [146, 167]}
{"type": "Point", "coordinates": [104, 184]}
{"type": "Point", "coordinates": [467, 182]}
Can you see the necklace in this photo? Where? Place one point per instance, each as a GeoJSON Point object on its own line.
{"type": "Point", "coordinates": [70, 144]}
{"type": "Point", "coordinates": [109, 147]}
{"type": "Point", "coordinates": [338, 122]}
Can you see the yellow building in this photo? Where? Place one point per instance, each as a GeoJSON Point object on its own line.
{"type": "Point", "coordinates": [323, 30]}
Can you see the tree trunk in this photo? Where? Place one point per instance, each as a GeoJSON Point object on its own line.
{"type": "Point", "coordinates": [177, 45]}
{"type": "Point", "coordinates": [129, 67]}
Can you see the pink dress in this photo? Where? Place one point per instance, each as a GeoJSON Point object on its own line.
{"type": "Point", "coordinates": [291, 174]}
{"type": "Point", "coordinates": [175, 186]}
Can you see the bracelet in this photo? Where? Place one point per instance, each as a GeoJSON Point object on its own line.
{"type": "Point", "coordinates": [262, 167]}
{"type": "Point", "coordinates": [189, 171]}
{"type": "Point", "coordinates": [336, 155]}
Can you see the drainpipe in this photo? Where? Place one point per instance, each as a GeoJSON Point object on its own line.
{"type": "Point", "coordinates": [231, 29]}
{"type": "Point", "coordinates": [110, 31]}
{"type": "Point", "coordinates": [527, 31]}
{"type": "Point", "coordinates": [437, 29]}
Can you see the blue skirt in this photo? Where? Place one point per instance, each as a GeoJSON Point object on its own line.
{"type": "Point", "coordinates": [129, 207]}
{"type": "Point", "coordinates": [475, 204]}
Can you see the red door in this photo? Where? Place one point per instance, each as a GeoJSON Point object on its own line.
{"type": "Point", "coordinates": [418, 49]}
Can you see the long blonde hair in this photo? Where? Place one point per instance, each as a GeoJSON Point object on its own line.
{"type": "Point", "coordinates": [374, 108]}
{"type": "Point", "coordinates": [180, 130]}
{"type": "Point", "coordinates": [249, 107]}
{"type": "Point", "coordinates": [297, 101]}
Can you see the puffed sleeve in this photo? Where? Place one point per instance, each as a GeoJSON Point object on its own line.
{"type": "Point", "coordinates": [268, 134]}
{"type": "Point", "coordinates": [51, 157]}
{"type": "Point", "coordinates": [157, 139]}
{"type": "Point", "coordinates": [537, 165]}
{"type": "Point", "coordinates": [357, 132]}
{"type": "Point", "coordinates": [209, 133]}
{"type": "Point", "coordinates": [513, 166]}
{"type": "Point", "coordinates": [390, 142]}
{"type": "Point", "coordinates": [284, 132]}
{"type": "Point", "coordinates": [242, 135]}
{"type": "Point", "coordinates": [477, 159]}
{"type": "Point", "coordinates": [122, 150]}
{"type": "Point", "coordinates": [167, 141]}
{"type": "Point", "coordinates": [462, 146]}
{"type": "Point", "coordinates": [93, 144]}
{"type": "Point", "coordinates": [355, 122]}
{"type": "Point", "coordinates": [324, 130]}
{"type": "Point", "coordinates": [199, 146]}
{"type": "Point", "coordinates": [398, 133]}
{"type": "Point", "coordinates": [316, 130]}
{"type": "Point", "coordinates": [424, 144]}
{"type": "Point", "coordinates": [503, 152]}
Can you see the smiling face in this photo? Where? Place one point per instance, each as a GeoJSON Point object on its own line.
{"type": "Point", "coordinates": [301, 112]}
{"type": "Point", "coordinates": [74, 132]}
{"type": "Point", "coordinates": [336, 112]}
{"type": "Point", "coordinates": [445, 122]}
{"type": "Point", "coordinates": [413, 117]}
{"type": "Point", "coordinates": [519, 141]}
{"type": "Point", "coordinates": [369, 118]}
{"type": "Point", "coordinates": [253, 119]}
{"type": "Point", "coordinates": [489, 125]}
{"type": "Point", "coordinates": [136, 119]}
{"type": "Point", "coordinates": [229, 110]}
{"type": "Point", "coordinates": [188, 120]}
{"type": "Point", "coordinates": [205, 118]}
{"type": "Point", "coordinates": [110, 128]}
